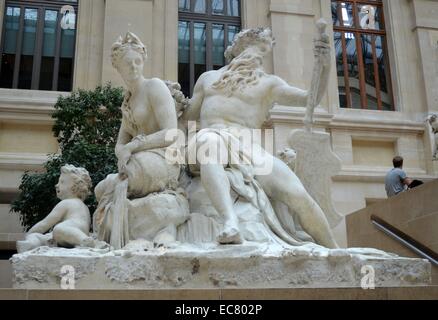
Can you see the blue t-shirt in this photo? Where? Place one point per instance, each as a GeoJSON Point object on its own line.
{"type": "Point", "coordinates": [394, 182]}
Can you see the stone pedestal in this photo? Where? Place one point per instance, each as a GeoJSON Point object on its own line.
{"type": "Point", "coordinates": [212, 267]}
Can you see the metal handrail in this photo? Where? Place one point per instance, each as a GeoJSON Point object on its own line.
{"type": "Point", "coordinates": [405, 240]}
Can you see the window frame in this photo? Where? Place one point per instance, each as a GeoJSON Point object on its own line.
{"type": "Point", "coordinates": [192, 17]}
{"type": "Point", "coordinates": [358, 31]}
{"type": "Point", "coordinates": [41, 6]}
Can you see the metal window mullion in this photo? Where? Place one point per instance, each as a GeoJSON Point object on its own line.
{"type": "Point", "coordinates": [57, 52]}
{"type": "Point", "coordinates": [387, 64]}
{"type": "Point", "coordinates": [346, 72]}
{"type": "Point", "coordinates": [3, 36]}
{"type": "Point", "coordinates": [225, 36]}
{"type": "Point", "coordinates": [201, 17]}
{"type": "Point", "coordinates": [376, 72]}
{"type": "Point", "coordinates": [361, 66]}
{"type": "Point", "coordinates": [209, 9]}
{"type": "Point", "coordinates": [225, 8]}
{"type": "Point", "coordinates": [363, 31]}
{"type": "Point", "coordinates": [18, 49]}
{"type": "Point", "coordinates": [39, 3]}
{"type": "Point", "coordinates": [192, 56]}
{"type": "Point", "coordinates": [74, 54]}
{"type": "Point", "coordinates": [344, 57]}
{"type": "Point", "coordinates": [38, 49]}
{"type": "Point", "coordinates": [209, 46]}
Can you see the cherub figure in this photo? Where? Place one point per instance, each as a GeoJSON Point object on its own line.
{"type": "Point", "coordinates": [70, 219]}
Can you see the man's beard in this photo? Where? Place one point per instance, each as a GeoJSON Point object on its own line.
{"type": "Point", "coordinates": [242, 72]}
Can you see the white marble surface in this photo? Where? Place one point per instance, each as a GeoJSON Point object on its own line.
{"type": "Point", "coordinates": [69, 222]}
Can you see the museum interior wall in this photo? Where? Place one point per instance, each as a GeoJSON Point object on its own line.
{"type": "Point", "coordinates": [364, 140]}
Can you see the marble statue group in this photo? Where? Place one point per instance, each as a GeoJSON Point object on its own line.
{"type": "Point", "coordinates": [152, 198]}
{"type": "Point", "coordinates": [233, 200]}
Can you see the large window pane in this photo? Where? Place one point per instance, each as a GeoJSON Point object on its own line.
{"type": "Point", "coordinates": [37, 42]}
{"type": "Point", "coordinates": [384, 74]}
{"type": "Point", "coordinates": [353, 70]}
{"type": "Point", "coordinates": [200, 6]}
{"type": "Point", "coordinates": [218, 7]}
{"type": "Point", "coordinates": [49, 47]}
{"type": "Point", "coordinates": [184, 5]}
{"type": "Point", "coordinates": [218, 46]}
{"type": "Point", "coordinates": [200, 49]}
{"type": "Point", "coordinates": [232, 31]}
{"type": "Point", "coordinates": [12, 26]}
{"type": "Point", "coordinates": [342, 14]}
{"type": "Point", "coordinates": [206, 28]}
{"type": "Point", "coordinates": [361, 55]}
{"type": "Point", "coordinates": [234, 8]}
{"type": "Point", "coordinates": [342, 70]}
{"type": "Point", "coordinates": [28, 48]}
{"type": "Point", "coordinates": [370, 17]}
{"type": "Point", "coordinates": [66, 60]}
{"type": "Point", "coordinates": [184, 56]}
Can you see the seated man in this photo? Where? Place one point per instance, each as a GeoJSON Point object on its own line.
{"type": "Point", "coordinates": [396, 180]}
{"type": "Point", "coordinates": [70, 219]}
{"type": "Point", "coordinates": [238, 98]}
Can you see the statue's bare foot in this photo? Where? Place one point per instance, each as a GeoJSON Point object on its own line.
{"type": "Point", "coordinates": [230, 235]}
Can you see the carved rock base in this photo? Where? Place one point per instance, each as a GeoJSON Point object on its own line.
{"type": "Point", "coordinates": [140, 266]}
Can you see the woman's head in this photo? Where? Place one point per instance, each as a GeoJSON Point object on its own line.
{"type": "Point", "coordinates": [128, 56]}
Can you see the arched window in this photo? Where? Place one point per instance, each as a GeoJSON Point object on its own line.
{"type": "Point", "coordinates": [38, 45]}
{"type": "Point", "coordinates": [362, 55]}
{"type": "Point", "coordinates": [206, 28]}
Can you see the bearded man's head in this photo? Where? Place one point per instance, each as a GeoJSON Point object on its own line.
{"type": "Point", "coordinates": [260, 38]}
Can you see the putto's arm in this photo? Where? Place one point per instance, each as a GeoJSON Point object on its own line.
{"type": "Point", "coordinates": [51, 220]}
{"type": "Point", "coordinates": [284, 94]}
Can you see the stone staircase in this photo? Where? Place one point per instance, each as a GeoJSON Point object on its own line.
{"type": "Point", "coordinates": [415, 213]}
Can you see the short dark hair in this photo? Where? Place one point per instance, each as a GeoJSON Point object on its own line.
{"type": "Point", "coordinates": [398, 162]}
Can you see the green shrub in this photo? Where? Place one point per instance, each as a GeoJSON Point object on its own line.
{"type": "Point", "coordinates": [86, 125]}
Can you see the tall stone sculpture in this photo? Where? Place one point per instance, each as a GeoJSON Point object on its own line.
{"type": "Point", "coordinates": [241, 217]}
{"type": "Point", "coordinates": [433, 122]}
{"type": "Point", "coordinates": [237, 98]}
{"type": "Point", "coordinates": [142, 200]}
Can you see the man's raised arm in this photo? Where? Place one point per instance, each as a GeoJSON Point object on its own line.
{"type": "Point", "coordinates": [284, 94]}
